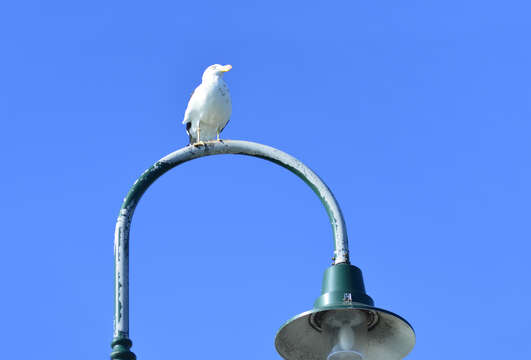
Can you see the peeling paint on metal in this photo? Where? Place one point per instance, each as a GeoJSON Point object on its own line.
{"type": "Point", "coordinates": [121, 235]}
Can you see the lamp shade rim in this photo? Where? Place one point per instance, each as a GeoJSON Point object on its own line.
{"type": "Point", "coordinates": [391, 336]}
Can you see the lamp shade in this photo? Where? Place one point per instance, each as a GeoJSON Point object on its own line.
{"type": "Point", "coordinates": [344, 324]}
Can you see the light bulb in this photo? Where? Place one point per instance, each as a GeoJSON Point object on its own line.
{"type": "Point", "coordinates": [347, 331]}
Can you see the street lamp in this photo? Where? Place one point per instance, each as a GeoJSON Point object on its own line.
{"type": "Point", "coordinates": [343, 325]}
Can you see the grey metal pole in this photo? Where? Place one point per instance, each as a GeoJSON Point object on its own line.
{"type": "Point", "coordinates": [121, 343]}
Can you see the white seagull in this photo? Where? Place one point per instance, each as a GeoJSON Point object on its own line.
{"type": "Point", "coordinates": [209, 107]}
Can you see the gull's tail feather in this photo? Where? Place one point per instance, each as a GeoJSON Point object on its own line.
{"type": "Point", "coordinates": [193, 140]}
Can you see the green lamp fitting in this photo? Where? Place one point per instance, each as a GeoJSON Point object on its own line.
{"type": "Point", "coordinates": [344, 324]}
{"type": "Point", "coordinates": [120, 349]}
{"type": "Point", "coordinates": [342, 287]}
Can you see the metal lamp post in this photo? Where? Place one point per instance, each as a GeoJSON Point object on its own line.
{"type": "Point", "coordinates": [343, 325]}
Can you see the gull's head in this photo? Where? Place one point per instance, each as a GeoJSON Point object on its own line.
{"type": "Point", "coordinates": [216, 71]}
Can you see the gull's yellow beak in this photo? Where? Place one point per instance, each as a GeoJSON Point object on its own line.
{"type": "Point", "coordinates": [226, 68]}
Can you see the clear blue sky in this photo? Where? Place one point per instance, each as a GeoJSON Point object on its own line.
{"type": "Point", "coordinates": [415, 113]}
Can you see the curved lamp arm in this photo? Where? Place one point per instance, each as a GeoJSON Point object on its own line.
{"type": "Point", "coordinates": [121, 342]}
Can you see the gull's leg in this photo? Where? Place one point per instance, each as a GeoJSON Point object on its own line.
{"type": "Point", "coordinates": [218, 137]}
{"type": "Point", "coordinates": [199, 142]}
